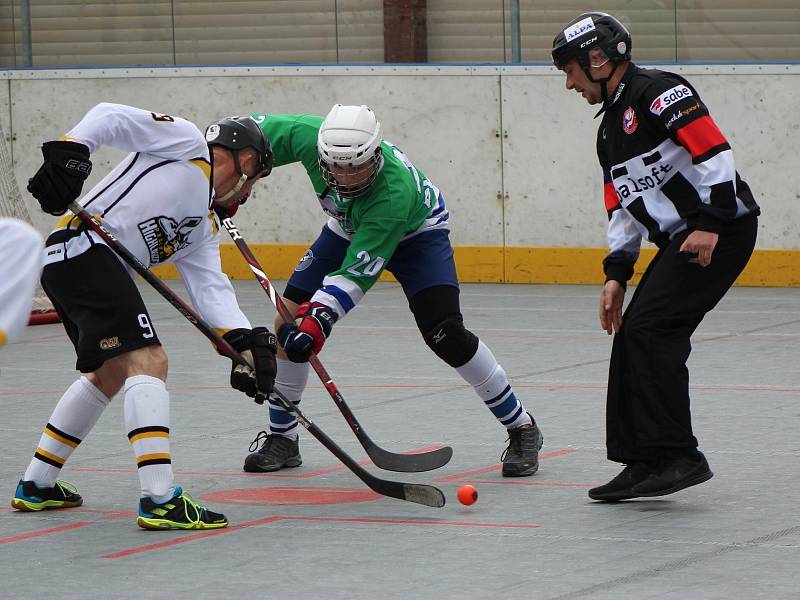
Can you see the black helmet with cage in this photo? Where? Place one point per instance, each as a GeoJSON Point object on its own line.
{"type": "Point", "coordinates": [593, 39]}
{"type": "Point", "coordinates": [237, 133]}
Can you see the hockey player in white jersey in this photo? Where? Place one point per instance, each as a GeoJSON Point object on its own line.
{"type": "Point", "coordinates": [21, 254]}
{"type": "Point", "coordinates": [158, 202]}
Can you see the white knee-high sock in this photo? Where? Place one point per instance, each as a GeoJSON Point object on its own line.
{"type": "Point", "coordinates": [489, 380]}
{"type": "Point", "coordinates": [291, 381]}
{"type": "Point", "coordinates": [73, 417]}
{"type": "Point", "coordinates": [147, 423]}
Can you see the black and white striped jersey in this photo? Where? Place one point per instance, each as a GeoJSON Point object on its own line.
{"type": "Point", "coordinates": [666, 167]}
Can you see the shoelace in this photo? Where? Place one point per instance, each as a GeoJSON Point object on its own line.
{"type": "Point", "coordinates": [262, 436]}
{"type": "Point", "coordinates": [514, 442]}
{"type": "Point", "coordinates": [66, 487]}
{"type": "Point", "coordinates": [188, 502]}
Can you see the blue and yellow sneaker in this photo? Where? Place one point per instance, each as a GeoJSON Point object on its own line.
{"type": "Point", "coordinates": [30, 497]}
{"type": "Point", "coordinates": [181, 512]}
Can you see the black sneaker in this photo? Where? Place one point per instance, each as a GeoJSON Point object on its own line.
{"type": "Point", "coordinates": [32, 498]}
{"type": "Point", "coordinates": [521, 457]}
{"type": "Point", "coordinates": [181, 512]}
{"type": "Point", "coordinates": [621, 487]}
{"type": "Point", "coordinates": [675, 473]}
{"type": "Point", "coordinates": [277, 452]}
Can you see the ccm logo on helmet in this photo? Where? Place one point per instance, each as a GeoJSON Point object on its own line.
{"type": "Point", "coordinates": [587, 42]}
{"type": "Point", "coordinates": [668, 98]}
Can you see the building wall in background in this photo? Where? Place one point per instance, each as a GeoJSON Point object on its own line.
{"type": "Point", "coordinates": [511, 149]}
{"type": "Point", "coordinates": [81, 33]}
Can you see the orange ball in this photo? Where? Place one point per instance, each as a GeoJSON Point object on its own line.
{"type": "Point", "coordinates": [467, 494]}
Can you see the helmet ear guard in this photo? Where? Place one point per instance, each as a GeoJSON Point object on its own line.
{"type": "Point", "coordinates": [593, 39]}
{"type": "Point", "coordinates": [238, 133]}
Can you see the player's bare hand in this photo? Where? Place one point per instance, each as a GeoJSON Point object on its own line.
{"type": "Point", "coordinates": [701, 244]}
{"type": "Point", "coordinates": [611, 301]}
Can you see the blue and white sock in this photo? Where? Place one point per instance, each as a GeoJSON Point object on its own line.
{"type": "Point", "coordinates": [483, 373]}
{"type": "Point", "coordinates": [291, 381]}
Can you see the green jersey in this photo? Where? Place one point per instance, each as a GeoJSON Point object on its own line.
{"type": "Point", "coordinates": [400, 203]}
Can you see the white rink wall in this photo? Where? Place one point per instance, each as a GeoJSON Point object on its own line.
{"type": "Point", "coordinates": [512, 150]}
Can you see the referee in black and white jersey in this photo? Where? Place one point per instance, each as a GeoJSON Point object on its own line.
{"type": "Point", "coordinates": [669, 177]}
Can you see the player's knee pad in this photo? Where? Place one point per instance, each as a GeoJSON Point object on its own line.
{"type": "Point", "coordinates": [452, 342]}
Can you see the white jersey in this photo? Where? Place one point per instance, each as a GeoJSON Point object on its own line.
{"type": "Point", "coordinates": [20, 268]}
{"type": "Point", "coordinates": [156, 202]}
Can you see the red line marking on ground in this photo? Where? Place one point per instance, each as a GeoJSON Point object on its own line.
{"type": "Point", "coordinates": [497, 467]}
{"type": "Point", "coordinates": [43, 532]}
{"type": "Point", "coordinates": [282, 496]}
{"type": "Point", "coordinates": [190, 538]}
{"type": "Point", "coordinates": [414, 522]}
{"type": "Point", "coordinates": [281, 475]}
{"type": "Point", "coordinates": [275, 519]}
{"type": "Point", "coordinates": [230, 473]}
{"type": "Point", "coordinates": [534, 483]}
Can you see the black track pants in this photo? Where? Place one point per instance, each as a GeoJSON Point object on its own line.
{"type": "Point", "coordinates": [647, 407]}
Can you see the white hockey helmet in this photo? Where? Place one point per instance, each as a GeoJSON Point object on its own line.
{"type": "Point", "coordinates": [350, 136]}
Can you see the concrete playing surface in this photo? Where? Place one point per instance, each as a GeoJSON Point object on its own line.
{"type": "Point", "coordinates": [317, 532]}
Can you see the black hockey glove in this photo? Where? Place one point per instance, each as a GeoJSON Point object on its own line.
{"type": "Point", "coordinates": [60, 179]}
{"type": "Point", "coordinates": [258, 347]}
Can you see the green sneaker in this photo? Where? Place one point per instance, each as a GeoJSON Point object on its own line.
{"type": "Point", "coordinates": [32, 498]}
{"type": "Point", "coordinates": [181, 512]}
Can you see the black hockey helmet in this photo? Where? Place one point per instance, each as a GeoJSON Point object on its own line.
{"type": "Point", "coordinates": [237, 133]}
{"type": "Point", "coordinates": [589, 31]}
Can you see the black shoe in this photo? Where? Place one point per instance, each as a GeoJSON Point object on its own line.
{"type": "Point", "coordinates": [181, 512]}
{"type": "Point", "coordinates": [31, 498]}
{"type": "Point", "coordinates": [277, 452]}
{"type": "Point", "coordinates": [621, 487]}
{"type": "Point", "coordinates": [521, 457]}
{"type": "Point", "coordinates": [675, 473]}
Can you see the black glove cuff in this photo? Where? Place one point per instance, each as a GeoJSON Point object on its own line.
{"type": "Point", "coordinates": [238, 338]}
{"type": "Point", "coordinates": [52, 149]}
{"type": "Point", "coordinates": [262, 338]}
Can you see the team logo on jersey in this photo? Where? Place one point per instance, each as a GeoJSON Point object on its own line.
{"type": "Point", "coordinates": [620, 89]}
{"type": "Point", "coordinates": [164, 236]}
{"type": "Point", "coordinates": [668, 98]}
{"type": "Point", "coordinates": [335, 207]}
{"type": "Point", "coordinates": [629, 120]}
{"type": "Point", "coordinates": [306, 261]}
{"type": "Point", "coordinates": [110, 343]}
{"type": "Point", "coordinates": [682, 113]}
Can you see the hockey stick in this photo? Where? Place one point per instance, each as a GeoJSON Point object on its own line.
{"type": "Point", "coordinates": [383, 459]}
{"type": "Point", "coordinates": [412, 492]}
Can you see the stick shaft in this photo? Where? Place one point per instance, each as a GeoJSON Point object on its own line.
{"type": "Point", "coordinates": [383, 459]}
{"type": "Point", "coordinates": [421, 494]}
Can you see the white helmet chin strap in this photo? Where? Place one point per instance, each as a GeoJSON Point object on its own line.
{"type": "Point", "coordinates": [234, 190]}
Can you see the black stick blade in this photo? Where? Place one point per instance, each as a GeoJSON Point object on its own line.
{"type": "Point", "coordinates": [424, 494]}
{"type": "Point", "coordinates": [409, 463]}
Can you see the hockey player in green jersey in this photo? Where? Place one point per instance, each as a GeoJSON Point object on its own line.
{"type": "Point", "coordinates": [384, 213]}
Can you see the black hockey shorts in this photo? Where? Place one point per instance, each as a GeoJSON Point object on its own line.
{"type": "Point", "coordinates": [100, 306]}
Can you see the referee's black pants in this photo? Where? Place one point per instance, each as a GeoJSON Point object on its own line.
{"type": "Point", "coordinates": [647, 406]}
